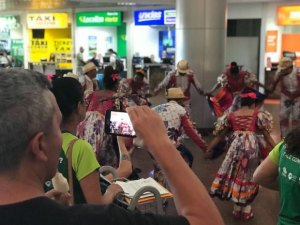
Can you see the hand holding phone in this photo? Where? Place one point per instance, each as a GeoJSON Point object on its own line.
{"type": "Point", "coordinates": [118, 123]}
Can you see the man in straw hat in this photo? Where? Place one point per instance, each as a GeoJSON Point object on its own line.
{"type": "Point", "coordinates": [182, 77]}
{"type": "Point", "coordinates": [176, 121]}
{"type": "Point", "coordinates": [289, 79]}
{"type": "Point", "coordinates": [137, 87]}
{"type": "Point", "coordinates": [90, 83]}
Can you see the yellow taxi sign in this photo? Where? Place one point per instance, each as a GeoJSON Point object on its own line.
{"type": "Point", "coordinates": [47, 20]}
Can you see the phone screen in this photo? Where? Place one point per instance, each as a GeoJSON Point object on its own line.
{"type": "Point", "coordinates": [118, 123]}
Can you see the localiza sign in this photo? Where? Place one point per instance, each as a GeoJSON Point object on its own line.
{"type": "Point", "coordinates": [98, 19]}
{"type": "Point", "coordinates": [155, 17]}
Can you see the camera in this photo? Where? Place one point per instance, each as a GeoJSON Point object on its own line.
{"type": "Point", "coordinates": [118, 123]}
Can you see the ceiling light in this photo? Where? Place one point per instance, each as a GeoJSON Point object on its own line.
{"type": "Point", "coordinates": [126, 3]}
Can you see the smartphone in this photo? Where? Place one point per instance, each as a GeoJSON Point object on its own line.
{"type": "Point", "coordinates": [118, 123]}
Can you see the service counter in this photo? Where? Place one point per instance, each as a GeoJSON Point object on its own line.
{"type": "Point", "coordinates": [48, 68]}
{"type": "Point", "coordinates": [156, 73]}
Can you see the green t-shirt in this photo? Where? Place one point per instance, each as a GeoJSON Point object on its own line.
{"type": "Point", "coordinates": [274, 154]}
{"type": "Point", "coordinates": [84, 162]}
{"type": "Point", "coordinates": [84, 159]}
{"type": "Point", "coordinates": [289, 185]}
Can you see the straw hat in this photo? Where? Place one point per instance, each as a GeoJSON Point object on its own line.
{"type": "Point", "coordinates": [175, 93]}
{"type": "Point", "coordinates": [183, 66]}
{"type": "Point", "coordinates": [285, 63]}
{"type": "Point", "coordinates": [72, 75]}
{"type": "Point", "coordinates": [88, 67]}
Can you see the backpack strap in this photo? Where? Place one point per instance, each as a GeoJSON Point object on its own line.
{"type": "Point", "coordinates": [70, 174]}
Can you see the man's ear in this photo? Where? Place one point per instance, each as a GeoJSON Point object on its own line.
{"type": "Point", "coordinates": [38, 146]}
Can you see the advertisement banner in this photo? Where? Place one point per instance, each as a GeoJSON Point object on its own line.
{"type": "Point", "coordinates": [38, 50]}
{"type": "Point", "coordinates": [17, 52]}
{"type": "Point", "coordinates": [167, 44]}
{"type": "Point", "coordinates": [154, 17]}
{"type": "Point", "coordinates": [8, 23]}
{"type": "Point", "coordinates": [170, 16]}
{"type": "Point", "coordinates": [95, 19]}
{"type": "Point", "coordinates": [47, 20]}
{"type": "Point", "coordinates": [92, 45]}
{"type": "Point", "coordinates": [271, 41]}
{"type": "Point", "coordinates": [63, 53]}
{"type": "Point", "coordinates": [288, 15]}
{"type": "Point", "coordinates": [63, 45]}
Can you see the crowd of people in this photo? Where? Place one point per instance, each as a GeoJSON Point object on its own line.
{"type": "Point", "coordinates": [62, 121]}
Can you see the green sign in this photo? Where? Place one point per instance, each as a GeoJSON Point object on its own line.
{"type": "Point", "coordinates": [95, 19]}
{"type": "Point", "coordinates": [17, 52]}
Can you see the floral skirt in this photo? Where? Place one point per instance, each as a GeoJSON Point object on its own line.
{"type": "Point", "coordinates": [234, 178]}
{"type": "Point", "coordinates": [91, 129]}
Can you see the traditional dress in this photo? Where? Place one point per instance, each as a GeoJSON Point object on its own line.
{"type": "Point", "coordinates": [234, 178]}
{"type": "Point", "coordinates": [92, 127]}
{"type": "Point", "coordinates": [227, 99]}
{"type": "Point", "coordinates": [176, 121]}
{"type": "Point", "coordinates": [289, 101]}
{"type": "Point", "coordinates": [129, 87]}
{"type": "Point", "coordinates": [174, 79]}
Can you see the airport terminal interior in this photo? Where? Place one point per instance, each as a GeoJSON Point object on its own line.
{"type": "Point", "coordinates": [60, 37]}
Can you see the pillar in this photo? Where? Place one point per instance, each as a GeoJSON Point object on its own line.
{"type": "Point", "coordinates": [200, 39]}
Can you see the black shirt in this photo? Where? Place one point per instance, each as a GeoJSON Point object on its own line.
{"type": "Point", "coordinates": [44, 211]}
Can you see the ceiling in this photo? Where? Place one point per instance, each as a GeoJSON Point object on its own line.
{"type": "Point", "coordinates": [12, 5]}
{"type": "Point", "coordinates": [59, 4]}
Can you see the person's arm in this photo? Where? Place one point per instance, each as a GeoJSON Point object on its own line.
{"type": "Point", "coordinates": [214, 142]}
{"type": "Point", "coordinates": [272, 89]}
{"type": "Point", "coordinates": [268, 138]}
{"type": "Point", "coordinates": [125, 165]}
{"type": "Point", "coordinates": [215, 87]}
{"type": "Point", "coordinates": [90, 186]}
{"type": "Point", "coordinates": [197, 85]}
{"type": "Point", "coordinates": [59, 197]}
{"type": "Point", "coordinates": [163, 83]}
{"type": "Point", "coordinates": [86, 168]}
{"type": "Point", "coordinates": [192, 133]}
{"type": "Point", "coordinates": [196, 205]}
{"type": "Point", "coordinates": [266, 174]}
{"type": "Point", "coordinates": [260, 85]}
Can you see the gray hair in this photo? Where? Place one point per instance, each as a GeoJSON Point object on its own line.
{"type": "Point", "coordinates": [25, 109]}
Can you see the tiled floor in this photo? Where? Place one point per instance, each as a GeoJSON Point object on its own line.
{"type": "Point", "coordinates": [266, 204]}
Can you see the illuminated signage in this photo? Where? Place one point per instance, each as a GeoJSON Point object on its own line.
{"type": "Point", "coordinates": [271, 41]}
{"type": "Point", "coordinates": [9, 23]}
{"type": "Point", "coordinates": [154, 17]}
{"type": "Point", "coordinates": [98, 19]}
{"type": "Point", "coordinates": [47, 20]}
{"type": "Point", "coordinates": [288, 15]}
{"type": "Point", "coordinates": [169, 17]}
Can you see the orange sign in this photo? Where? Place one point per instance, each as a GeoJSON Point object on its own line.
{"type": "Point", "coordinates": [290, 42]}
{"type": "Point", "coordinates": [288, 15]}
{"type": "Point", "coordinates": [271, 41]}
